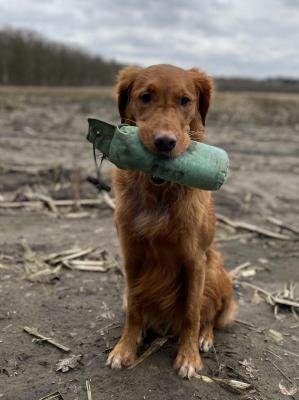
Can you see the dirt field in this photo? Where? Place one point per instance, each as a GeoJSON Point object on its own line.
{"type": "Point", "coordinates": [43, 151]}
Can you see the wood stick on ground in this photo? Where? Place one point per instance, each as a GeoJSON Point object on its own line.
{"type": "Point", "coordinates": [156, 345]}
{"type": "Point", "coordinates": [272, 298]}
{"type": "Point", "coordinates": [283, 225]}
{"type": "Point", "coordinates": [77, 215]}
{"type": "Point", "coordinates": [61, 253]}
{"type": "Point", "coordinates": [6, 266]}
{"type": "Point", "coordinates": [88, 389]}
{"type": "Point", "coordinates": [237, 386]}
{"type": "Point", "coordinates": [89, 268]}
{"type": "Point", "coordinates": [237, 374]}
{"type": "Point", "coordinates": [247, 325]}
{"type": "Point", "coordinates": [47, 200]}
{"type": "Point", "coordinates": [18, 204]}
{"type": "Point", "coordinates": [34, 332]}
{"type": "Point", "coordinates": [79, 254]}
{"type": "Point", "coordinates": [252, 228]}
{"type": "Point", "coordinates": [234, 272]}
{"type": "Point", "coordinates": [273, 354]}
{"type": "Point", "coordinates": [57, 203]}
{"type": "Point", "coordinates": [108, 200]}
{"type": "Point", "coordinates": [53, 396]}
{"type": "Point", "coordinates": [281, 371]}
{"type": "Point", "coordinates": [92, 265]}
{"type": "Point", "coordinates": [219, 366]}
{"type": "Point", "coordinates": [235, 237]}
{"type": "Point", "coordinates": [72, 256]}
{"type": "Point", "coordinates": [95, 263]}
{"type": "Point", "coordinates": [34, 170]}
{"type": "Point", "coordinates": [44, 272]}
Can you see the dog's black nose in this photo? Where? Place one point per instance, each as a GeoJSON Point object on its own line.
{"type": "Point", "coordinates": [165, 142]}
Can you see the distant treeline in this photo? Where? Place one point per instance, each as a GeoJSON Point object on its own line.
{"type": "Point", "coordinates": [28, 59]}
{"type": "Point", "coordinates": [258, 85]}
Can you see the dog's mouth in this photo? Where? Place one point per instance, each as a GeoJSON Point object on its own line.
{"type": "Point", "coordinates": [157, 181]}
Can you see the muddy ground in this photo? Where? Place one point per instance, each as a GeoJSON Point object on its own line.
{"type": "Point", "coordinates": [43, 150]}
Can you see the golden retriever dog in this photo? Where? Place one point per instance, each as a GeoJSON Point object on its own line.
{"type": "Point", "coordinates": [175, 278]}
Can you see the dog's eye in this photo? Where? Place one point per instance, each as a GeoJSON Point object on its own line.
{"type": "Point", "coordinates": [145, 98]}
{"type": "Point", "coordinates": [185, 100]}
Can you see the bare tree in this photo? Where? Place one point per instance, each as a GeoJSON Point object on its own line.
{"type": "Point", "coordinates": [28, 59]}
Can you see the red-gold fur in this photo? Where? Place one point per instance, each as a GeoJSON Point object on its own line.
{"type": "Point", "coordinates": [175, 278]}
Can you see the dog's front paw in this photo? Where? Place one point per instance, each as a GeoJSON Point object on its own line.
{"type": "Point", "coordinates": [188, 363]}
{"type": "Point", "coordinates": [121, 355]}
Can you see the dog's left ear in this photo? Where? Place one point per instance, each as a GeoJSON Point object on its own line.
{"type": "Point", "coordinates": [205, 86]}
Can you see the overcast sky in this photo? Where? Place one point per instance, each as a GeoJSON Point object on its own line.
{"type": "Point", "coordinates": [257, 38]}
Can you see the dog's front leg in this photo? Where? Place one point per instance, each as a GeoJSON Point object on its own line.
{"type": "Point", "coordinates": [188, 360]}
{"type": "Point", "coordinates": [124, 353]}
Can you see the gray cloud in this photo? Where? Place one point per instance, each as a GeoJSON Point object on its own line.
{"type": "Point", "coordinates": [225, 37]}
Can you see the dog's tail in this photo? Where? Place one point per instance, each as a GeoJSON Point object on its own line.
{"type": "Point", "coordinates": [227, 314]}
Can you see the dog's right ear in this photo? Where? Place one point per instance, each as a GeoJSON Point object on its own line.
{"type": "Point", "coordinates": [204, 85]}
{"type": "Point", "coordinates": [124, 83]}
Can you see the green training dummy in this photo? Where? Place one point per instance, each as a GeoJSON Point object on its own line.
{"type": "Point", "coordinates": [201, 166]}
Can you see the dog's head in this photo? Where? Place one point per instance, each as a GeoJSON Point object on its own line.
{"type": "Point", "coordinates": [167, 103]}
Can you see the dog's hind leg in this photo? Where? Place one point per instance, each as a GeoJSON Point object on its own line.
{"type": "Point", "coordinates": [218, 308]}
{"type": "Point", "coordinates": [206, 337]}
